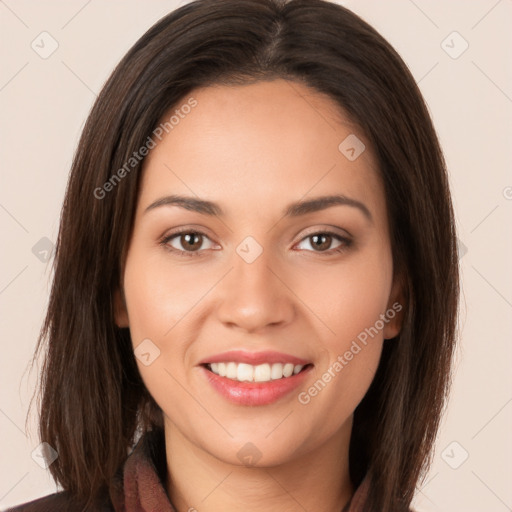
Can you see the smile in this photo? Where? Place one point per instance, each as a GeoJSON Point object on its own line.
{"type": "Point", "coordinates": [243, 372]}
{"type": "Point", "coordinates": [255, 379]}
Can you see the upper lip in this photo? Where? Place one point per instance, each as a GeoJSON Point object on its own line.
{"type": "Point", "coordinates": [254, 358]}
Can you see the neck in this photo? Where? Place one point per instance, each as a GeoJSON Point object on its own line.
{"type": "Point", "coordinates": [198, 481]}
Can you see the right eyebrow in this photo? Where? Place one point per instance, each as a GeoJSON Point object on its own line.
{"type": "Point", "coordinates": [189, 203]}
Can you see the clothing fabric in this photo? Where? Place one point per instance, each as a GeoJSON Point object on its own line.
{"type": "Point", "coordinates": [139, 486]}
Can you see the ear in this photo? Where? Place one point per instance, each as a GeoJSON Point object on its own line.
{"type": "Point", "coordinates": [120, 311]}
{"type": "Point", "coordinates": [395, 309]}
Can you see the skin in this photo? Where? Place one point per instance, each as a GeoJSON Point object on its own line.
{"type": "Point", "coordinates": [254, 149]}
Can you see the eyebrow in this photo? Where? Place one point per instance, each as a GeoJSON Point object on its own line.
{"type": "Point", "coordinates": [292, 210]}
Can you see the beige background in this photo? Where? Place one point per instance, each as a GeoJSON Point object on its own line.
{"type": "Point", "coordinates": [44, 103]}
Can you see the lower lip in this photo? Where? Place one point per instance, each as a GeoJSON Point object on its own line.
{"type": "Point", "coordinates": [255, 393]}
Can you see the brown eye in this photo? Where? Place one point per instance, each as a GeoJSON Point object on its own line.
{"type": "Point", "coordinates": [186, 243]}
{"type": "Point", "coordinates": [191, 241]}
{"type": "Point", "coordinates": [321, 242]}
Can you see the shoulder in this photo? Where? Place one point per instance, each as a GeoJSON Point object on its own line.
{"type": "Point", "coordinates": [57, 502]}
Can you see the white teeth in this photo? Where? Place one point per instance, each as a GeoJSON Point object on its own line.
{"type": "Point", "coordinates": [245, 372]}
{"type": "Point", "coordinates": [249, 373]}
{"type": "Point", "coordinates": [262, 373]}
{"type": "Point", "coordinates": [231, 371]}
{"type": "Point", "coordinates": [277, 371]}
{"type": "Point", "coordinates": [287, 369]}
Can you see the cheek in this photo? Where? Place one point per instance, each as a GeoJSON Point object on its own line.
{"type": "Point", "coordinates": [349, 298]}
{"type": "Point", "coordinates": [350, 348]}
{"type": "Point", "coordinates": [163, 301]}
{"type": "Point", "coordinates": [337, 389]}
{"type": "Point", "coordinates": [350, 302]}
{"type": "Point", "coordinates": [160, 296]}
{"type": "Point", "coordinates": [157, 304]}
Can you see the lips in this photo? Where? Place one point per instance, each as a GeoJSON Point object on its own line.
{"type": "Point", "coordinates": [254, 378]}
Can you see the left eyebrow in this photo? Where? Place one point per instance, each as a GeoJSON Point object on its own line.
{"type": "Point", "coordinates": [292, 210]}
{"type": "Point", "coordinates": [321, 203]}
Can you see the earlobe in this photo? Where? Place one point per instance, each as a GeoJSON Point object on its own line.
{"type": "Point", "coordinates": [120, 311]}
{"type": "Point", "coordinates": [395, 310]}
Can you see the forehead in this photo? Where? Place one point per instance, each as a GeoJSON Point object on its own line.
{"type": "Point", "coordinates": [263, 144]}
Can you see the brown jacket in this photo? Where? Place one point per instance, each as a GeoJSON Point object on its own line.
{"type": "Point", "coordinates": [139, 486]}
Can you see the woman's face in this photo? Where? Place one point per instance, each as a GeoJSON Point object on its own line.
{"type": "Point", "coordinates": [253, 286]}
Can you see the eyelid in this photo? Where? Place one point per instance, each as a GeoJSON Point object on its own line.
{"type": "Point", "coordinates": [334, 230]}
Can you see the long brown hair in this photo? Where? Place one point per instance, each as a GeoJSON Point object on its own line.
{"type": "Point", "coordinates": [93, 399]}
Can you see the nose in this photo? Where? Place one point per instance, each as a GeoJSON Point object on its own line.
{"type": "Point", "coordinates": [254, 296]}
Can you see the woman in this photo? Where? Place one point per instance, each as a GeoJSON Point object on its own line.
{"type": "Point", "coordinates": [256, 279]}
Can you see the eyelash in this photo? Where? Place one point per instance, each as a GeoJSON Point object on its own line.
{"type": "Point", "coordinates": [346, 242]}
